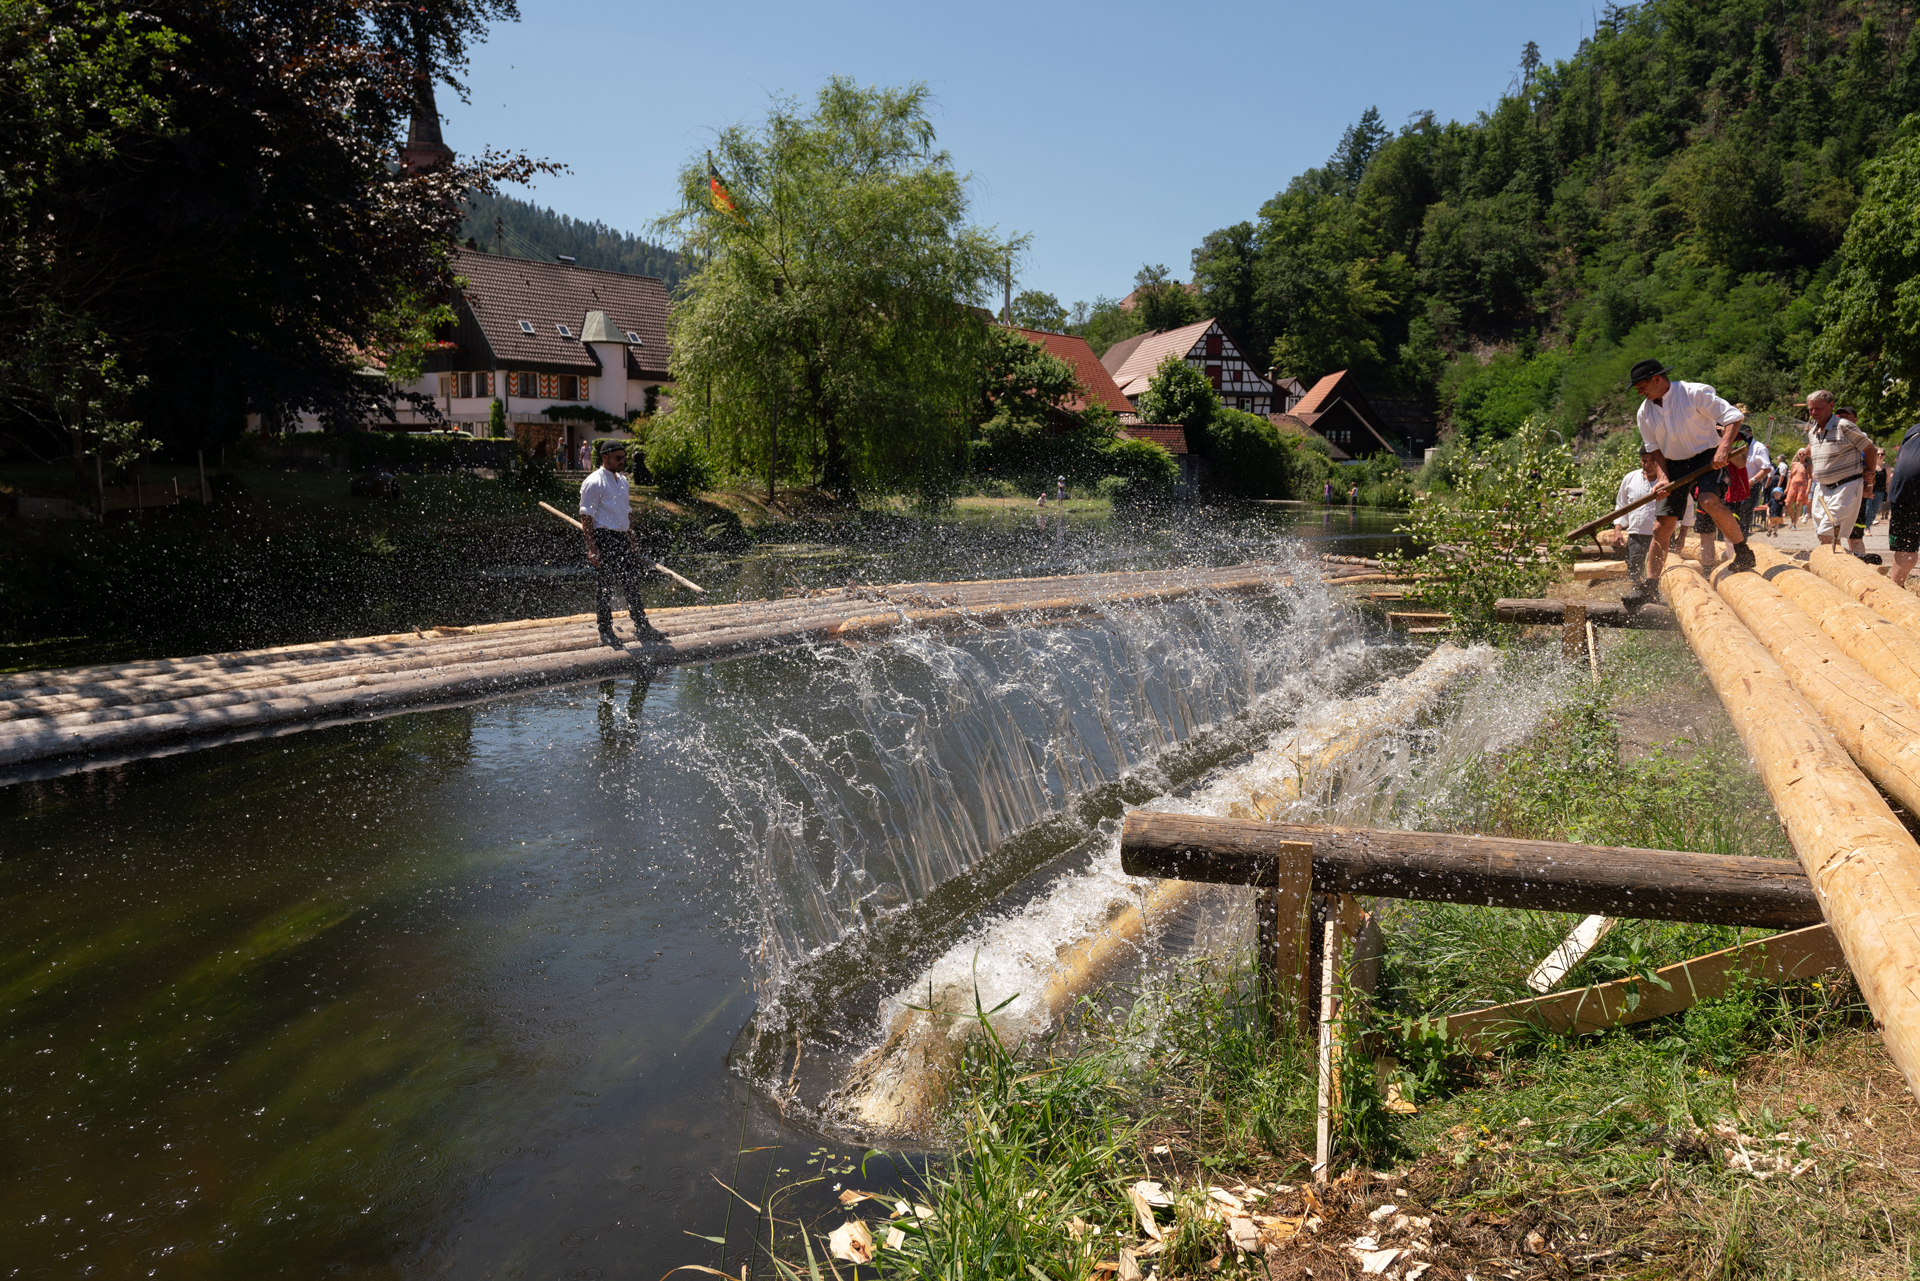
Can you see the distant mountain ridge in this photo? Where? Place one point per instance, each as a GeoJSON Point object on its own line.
{"type": "Point", "coordinates": [520, 229]}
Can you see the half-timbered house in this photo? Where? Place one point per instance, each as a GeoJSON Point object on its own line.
{"type": "Point", "coordinates": [1206, 347]}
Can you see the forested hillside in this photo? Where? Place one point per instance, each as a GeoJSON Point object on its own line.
{"type": "Point", "coordinates": [524, 230]}
{"type": "Point", "coordinates": [1679, 188]}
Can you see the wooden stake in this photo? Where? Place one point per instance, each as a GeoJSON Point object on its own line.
{"type": "Point", "coordinates": [1323, 1092]}
{"type": "Point", "coordinates": [1573, 631]}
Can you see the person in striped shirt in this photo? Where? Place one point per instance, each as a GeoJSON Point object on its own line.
{"type": "Point", "coordinates": [1840, 454]}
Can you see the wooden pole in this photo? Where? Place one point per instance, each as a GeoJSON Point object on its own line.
{"type": "Point", "coordinates": [1864, 865]}
{"type": "Point", "coordinates": [1878, 729]}
{"type": "Point", "coordinates": [1553, 613]}
{"type": "Point", "coordinates": [1577, 535]}
{"type": "Point", "coordinates": [1494, 871]}
{"type": "Point", "coordinates": [1857, 579]}
{"type": "Point", "coordinates": [689, 584]}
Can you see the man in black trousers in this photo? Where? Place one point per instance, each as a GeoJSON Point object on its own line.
{"type": "Point", "coordinates": [606, 520]}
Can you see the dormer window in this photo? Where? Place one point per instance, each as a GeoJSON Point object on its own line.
{"type": "Point", "coordinates": [526, 326]}
{"type": "Point", "coordinates": [564, 331]}
{"type": "Point", "coordinates": [633, 338]}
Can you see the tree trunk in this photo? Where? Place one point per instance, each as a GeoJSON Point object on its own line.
{"type": "Point", "coordinates": [1865, 867]}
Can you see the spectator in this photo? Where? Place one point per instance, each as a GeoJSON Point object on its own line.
{"type": "Point", "coordinates": [1799, 486]}
{"type": "Point", "coordinates": [1840, 452]}
{"type": "Point", "coordinates": [1903, 506]}
{"type": "Point", "coordinates": [1637, 525]}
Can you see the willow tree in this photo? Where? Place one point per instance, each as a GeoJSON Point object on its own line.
{"type": "Point", "coordinates": [829, 334]}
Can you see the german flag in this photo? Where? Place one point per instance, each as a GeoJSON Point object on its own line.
{"type": "Point", "coordinates": [717, 192]}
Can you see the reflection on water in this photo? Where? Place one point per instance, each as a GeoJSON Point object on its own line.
{"type": "Point", "coordinates": [453, 992]}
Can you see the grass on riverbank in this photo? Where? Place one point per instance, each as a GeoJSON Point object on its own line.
{"type": "Point", "coordinates": [1763, 1134]}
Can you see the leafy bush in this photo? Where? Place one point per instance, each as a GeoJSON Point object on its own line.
{"type": "Point", "coordinates": [497, 420]}
{"type": "Point", "coordinates": [678, 465]}
{"type": "Point", "coordinates": [1179, 393]}
{"type": "Point", "coordinates": [1143, 469]}
{"type": "Point", "coordinates": [1497, 534]}
{"type": "Point", "coordinates": [1249, 457]}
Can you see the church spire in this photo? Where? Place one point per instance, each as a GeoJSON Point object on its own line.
{"type": "Point", "coordinates": [424, 149]}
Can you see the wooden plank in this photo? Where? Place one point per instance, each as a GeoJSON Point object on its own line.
{"type": "Point", "coordinates": [1795, 955]}
{"type": "Point", "coordinates": [1599, 571]}
{"type": "Point", "coordinates": [1607, 613]}
{"type": "Point", "coordinates": [1864, 865]}
{"type": "Point", "coordinates": [1663, 885]}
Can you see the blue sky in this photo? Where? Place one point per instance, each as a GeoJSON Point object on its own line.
{"type": "Point", "coordinates": [1115, 135]}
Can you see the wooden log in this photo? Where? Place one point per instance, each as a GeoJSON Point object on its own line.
{"type": "Point", "coordinates": [1858, 580]}
{"type": "Point", "coordinates": [1576, 535]}
{"type": "Point", "coordinates": [1494, 871]}
{"type": "Point", "coordinates": [1798, 954]}
{"type": "Point", "coordinates": [1879, 730]}
{"type": "Point", "coordinates": [1865, 866]}
{"type": "Point", "coordinates": [1890, 653]}
{"type": "Point", "coordinates": [1553, 613]}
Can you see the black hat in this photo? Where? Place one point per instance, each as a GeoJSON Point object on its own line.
{"type": "Point", "coordinates": [606, 446]}
{"type": "Point", "coordinates": [1644, 369]}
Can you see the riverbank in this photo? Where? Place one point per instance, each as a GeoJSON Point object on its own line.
{"type": "Point", "coordinates": [1766, 1133]}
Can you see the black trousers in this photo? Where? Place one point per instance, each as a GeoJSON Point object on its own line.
{"type": "Point", "coordinates": [1637, 548]}
{"type": "Point", "coordinates": [620, 566]}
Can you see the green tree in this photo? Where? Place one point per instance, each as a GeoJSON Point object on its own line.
{"type": "Point", "coordinates": [1179, 393]}
{"type": "Point", "coordinates": [497, 420]}
{"type": "Point", "coordinates": [1035, 310]}
{"type": "Point", "coordinates": [829, 333]}
{"type": "Point", "coordinates": [1161, 301]}
{"type": "Point", "coordinates": [1247, 457]}
{"type": "Point", "coordinates": [1869, 343]}
{"type": "Point", "coordinates": [209, 188]}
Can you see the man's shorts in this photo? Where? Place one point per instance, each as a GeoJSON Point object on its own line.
{"type": "Point", "coordinates": [1675, 503]}
{"type": "Point", "coordinates": [1903, 525]}
{"type": "Point", "coordinates": [1835, 506]}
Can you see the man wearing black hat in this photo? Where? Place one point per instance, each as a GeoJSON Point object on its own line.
{"type": "Point", "coordinates": [1685, 427]}
{"type": "Point", "coordinates": [606, 520]}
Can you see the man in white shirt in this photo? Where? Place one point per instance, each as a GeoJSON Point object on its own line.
{"type": "Point", "coordinates": [606, 521]}
{"type": "Point", "coordinates": [1684, 428]}
{"type": "Point", "coordinates": [1638, 525]}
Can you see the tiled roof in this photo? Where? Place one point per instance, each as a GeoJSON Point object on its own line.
{"type": "Point", "coordinates": [1298, 424]}
{"type": "Point", "coordinates": [1087, 368]}
{"type": "Point", "coordinates": [501, 292]}
{"type": "Point", "coordinates": [1171, 439]}
{"type": "Point", "coordinates": [1137, 369]}
{"type": "Point", "coordinates": [1116, 355]}
{"type": "Point", "coordinates": [1320, 393]}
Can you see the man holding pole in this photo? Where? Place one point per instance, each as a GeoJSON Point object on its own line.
{"type": "Point", "coordinates": [1685, 428]}
{"type": "Point", "coordinates": [606, 521]}
{"type": "Point", "coordinates": [1841, 455]}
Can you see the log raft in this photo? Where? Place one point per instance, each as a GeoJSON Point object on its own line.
{"type": "Point", "coordinates": [103, 712]}
{"type": "Point", "coordinates": [1862, 862]}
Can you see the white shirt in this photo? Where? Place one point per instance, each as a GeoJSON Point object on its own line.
{"type": "Point", "coordinates": [604, 495]}
{"type": "Point", "coordinates": [1687, 421]}
{"type": "Point", "coordinates": [1633, 487]}
{"type": "Point", "coordinates": [1758, 459]}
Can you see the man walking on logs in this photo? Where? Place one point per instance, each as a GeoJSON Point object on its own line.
{"type": "Point", "coordinates": [1684, 428]}
{"type": "Point", "coordinates": [606, 521]}
{"type": "Point", "coordinates": [1840, 454]}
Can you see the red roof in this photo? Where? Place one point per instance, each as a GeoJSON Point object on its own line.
{"type": "Point", "coordinates": [1321, 392]}
{"type": "Point", "coordinates": [1172, 439]}
{"type": "Point", "coordinates": [1092, 375]}
{"type": "Point", "coordinates": [1299, 424]}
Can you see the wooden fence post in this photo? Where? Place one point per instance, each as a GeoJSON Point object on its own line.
{"type": "Point", "coordinates": [1283, 912]}
{"type": "Point", "coordinates": [1573, 631]}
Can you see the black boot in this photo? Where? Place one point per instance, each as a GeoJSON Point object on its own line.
{"type": "Point", "coordinates": [611, 641]}
{"type": "Point", "coordinates": [1742, 560]}
{"type": "Point", "coordinates": [645, 632]}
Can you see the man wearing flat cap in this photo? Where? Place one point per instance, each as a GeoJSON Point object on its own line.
{"type": "Point", "coordinates": [1685, 428]}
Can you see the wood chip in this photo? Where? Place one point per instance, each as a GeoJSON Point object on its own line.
{"type": "Point", "coordinates": [851, 1241]}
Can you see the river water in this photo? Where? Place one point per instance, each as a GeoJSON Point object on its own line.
{"type": "Point", "coordinates": [455, 993]}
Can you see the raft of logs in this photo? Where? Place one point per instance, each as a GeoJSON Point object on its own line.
{"type": "Point", "coordinates": [1823, 696]}
{"type": "Point", "coordinates": [109, 712]}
